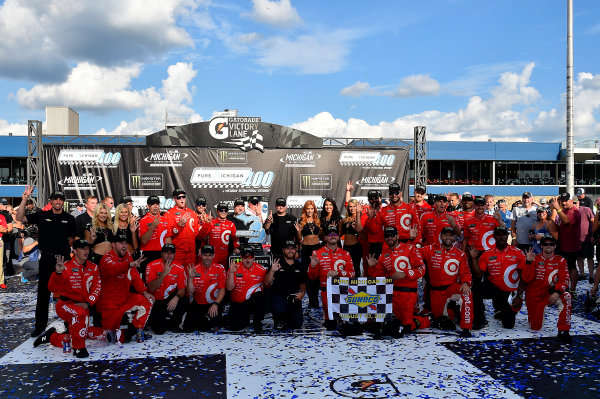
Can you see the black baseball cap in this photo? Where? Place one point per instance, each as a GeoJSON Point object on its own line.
{"type": "Point", "coordinates": [541, 209]}
{"type": "Point", "coordinates": [246, 250]}
{"type": "Point", "coordinates": [332, 229]}
{"type": "Point", "coordinates": [222, 206]}
{"type": "Point", "coordinates": [207, 249]}
{"type": "Point", "coordinates": [500, 230]}
{"type": "Point", "coordinates": [289, 243]}
{"type": "Point", "coordinates": [201, 201]}
{"type": "Point", "coordinates": [467, 197]}
{"type": "Point", "coordinates": [526, 194]}
{"type": "Point", "coordinates": [125, 199]}
{"type": "Point", "coordinates": [373, 194]}
{"type": "Point", "coordinates": [421, 188]}
{"type": "Point", "coordinates": [390, 231]}
{"type": "Point", "coordinates": [53, 196]}
{"type": "Point", "coordinates": [565, 197]}
{"type": "Point", "coordinates": [441, 197]}
{"type": "Point", "coordinates": [394, 187]}
{"type": "Point", "coordinates": [177, 192]}
{"type": "Point", "coordinates": [280, 202]}
{"type": "Point", "coordinates": [238, 202]}
{"type": "Point", "coordinates": [548, 238]}
{"type": "Point", "coordinates": [119, 238]}
{"type": "Point", "coordinates": [81, 244]}
{"type": "Point", "coordinates": [479, 200]}
{"type": "Point", "coordinates": [153, 199]}
{"type": "Point", "coordinates": [168, 247]}
{"type": "Point", "coordinates": [254, 200]}
{"type": "Point", "coordinates": [447, 229]}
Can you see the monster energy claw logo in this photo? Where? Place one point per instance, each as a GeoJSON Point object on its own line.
{"type": "Point", "coordinates": [305, 181]}
{"type": "Point", "coordinates": [136, 181]}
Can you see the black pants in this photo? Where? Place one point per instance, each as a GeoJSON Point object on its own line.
{"type": "Point", "coordinates": [161, 319]}
{"type": "Point", "coordinates": [312, 286]}
{"type": "Point", "coordinates": [356, 255]}
{"type": "Point", "coordinates": [375, 249]}
{"type": "Point", "coordinates": [286, 310]}
{"type": "Point", "coordinates": [47, 267]}
{"type": "Point", "coordinates": [239, 313]}
{"type": "Point", "coordinates": [500, 301]}
{"type": "Point", "coordinates": [478, 295]}
{"type": "Point", "coordinates": [197, 318]}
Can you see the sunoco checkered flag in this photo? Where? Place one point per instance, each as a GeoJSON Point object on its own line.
{"type": "Point", "coordinates": [359, 299]}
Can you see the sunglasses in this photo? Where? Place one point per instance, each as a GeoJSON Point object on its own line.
{"type": "Point", "coordinates": [199, 204]}
{"type": "Point", "coordinates": [181, 196]}
{"type": "Point", "coordinates": [248, 256]}
{"type": "Point", "coordinates": [394, 192]}
{"type": "Point", "coordinates": [221, 210]}
{"type": "Point", "coordinates": [548, 244]}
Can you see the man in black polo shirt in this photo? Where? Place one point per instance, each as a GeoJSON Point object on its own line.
{"type": "Point", "coordinates": [56, 232]}
{"type": "Point", "coordinates": [91, 201]}
{"type": "Point", "coordinates": [288, 289]}
{"type": "Point", "coordinates": [281, 227]}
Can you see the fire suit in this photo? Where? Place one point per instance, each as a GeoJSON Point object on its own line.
{"type": "Point", "coordinates": [479, 232]}
{"type": "Point", "coordinates": [207, 285]}
{"type": "Point", "coordinates": [76, 284]}
{"type": "Point", "coordinates": [115, 298]}
{"type": "Point", "coordinates": [543, 277]}
{"type": "Point", "coordinates": [184, 238]}
{"type": "Point", "coordinates": [160, 317]}
{"type": "Point", "coordinates": [448, 269]}
{"type": "Point", "coordinates": [247, 297]}
{"type": "Point", "coordinates": [431, 225]}
{"type": "Point", "coordinates": [402, 217]}
{"type": "Point", "coordinates": [338, 260]}
{"type": "Point", "coordinates": [220, 232]}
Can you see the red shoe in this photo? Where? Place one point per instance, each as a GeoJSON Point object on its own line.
{"type": "Point", "coordinates": [3, 286]}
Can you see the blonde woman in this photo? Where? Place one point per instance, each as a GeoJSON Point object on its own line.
{"type": "Point", "coordinates": [350, 228]}
{"type": "Point", "coordinates": [126, 224]}
{"type": "Point", "coordinates": [99, 233]}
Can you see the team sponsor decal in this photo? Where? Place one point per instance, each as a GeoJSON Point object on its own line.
{"type": "Point", "coordinates": [405, 221]}
{"type": "Point", "coordinates": [362, 299]}
{"type": "Point", "coordinates": [232, 178]}
{"type": "Point", "coordinates": [379, 182]}
{"type": "Point", "coordinates": [451, 267]}
{"type": "Point", "coordinates": [89, 157]}
{"type": "Point", "coordinates": [401, 263]}
{"type": "Point", "coordinates": [553, 278]}
{"type": "Point", "coordinates": [511, 276]}
{"type": "Point", "coordinates": [166, 158]}
{"type": "Point", "coordinates": [225, 157]}
{"type": "Point", "coordinates": [297, 201]}
{"type": "Point", "coordinates": [140, 203]}
{"type": "Point", "coordinates": [239, 131]}
{"type": "Point", "coordinates": [364, 386]}
{"type": "Point", "coordinates": [212, 292]}
{"type": "Point", "coordinates": [315, 182]}
{"type": "Point", "coordinates": [367, 159]}
{"type": "Point", "coordinates": [86, 181]}
{"type": "Point", "coordinates": [225, 237]}
{"type": "Point", "coordinates": [488, 241]}
{"type": "Point", "coordinates": [146, 181]}
{"type": "Point", "coordinates": [253, 289]}
{"type": "Point", "coordinates": [306, 159]}
{"type": "Point", "coordinates": [339, 265]}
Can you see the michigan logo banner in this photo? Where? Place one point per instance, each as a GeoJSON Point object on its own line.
{"type": "Point", "coordinates": [359, 299]}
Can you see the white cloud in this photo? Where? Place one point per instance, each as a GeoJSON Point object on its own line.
{"type": "Point", "coordinates": [507, 115]}
{"type": "Point", "coordinates": [280, 14]}
{"type": "Point", "coordinates": [357, 89]}
{"type": "Point", "coordinates": [410, 86]}
{"type": "Point", "coordinates": [14, 128]}
{"type": "Point", "coordinates": [41, 39]}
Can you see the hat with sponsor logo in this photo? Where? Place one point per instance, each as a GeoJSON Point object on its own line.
{"type": "Point", "coordinates": [200, 201]}
{"type": "Point", "coordinates": [441, 197]}
{"type": "Point", "coordinates": [579, 191]}
{"type": "Point", "coordinates": [238, 202]}
{"type": "Point", "coordinates": [125, 199]}
{"type": "Point", "coordinates": [565, 197]}
{"type": "Point", "coordinates": [77, 244]}
{"type": "Point", "coordinates": [168, 247]}
{"type": "Point", "coordinates": [53, 196]}
{"type": "Point", "coordinates": [289, 244]}
{"type": "Point", "coordinates": [467, 196]}
{"type": "Point", "coordinates": [394, 188]}
{"type": "Point", "coordinates": [153, 199]}
{"type": "Point", "coordinates": [374, 194]}
{"type": "Point", "coordinates": [390, 231]}
{"type": "Point", "coordinates": [207, 249]}
{"type": "Point", "coordinates": [177, 192]}
{"type": "Point", "coordinates": [280, 202]}
{"type": "Point", "coordinates": [526, 194]}
{"type": "Point", "coordinates": [222, 206]}
{"type": "Point", "coordinates": [479, 200]}
{"type": "Point", "coordinates": [254, 200]}
{"type": "Point", "coordinates": [246, 250]}
{"type": "Point", "coordinates": [548, 238]}
{"type": "Point", "coordinates": [446, 230]}
{"type": "Point", "coordinates": [500, 230]}
{"type": "Point", "coordinates": [119, 238]}
{"type": "Point", "coordinates": [420, 189]}
{"type": "Point", "coordinates": [541, 209]}
{"type": "Point", "coordinates": [332, 229]}
{"type": "Point", "coordinates": [543, 201]}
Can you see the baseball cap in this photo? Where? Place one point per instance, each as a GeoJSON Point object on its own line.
{"type": "Point", "coordinates": [479, 200]}
{"type": "Point", "coordinates": [254, 200]}
{"type": "Point", "coordinates": [54, 195]}
{"type": "Point", "coordinates": [394, 187]}
{"type": "Point", "coordinates": [207, 249]}
{"type": "Point", "coordinates": [125, 199]}
{"type": "Point", "coordinates": [177, 192]}
{"type": "Point", "coordinates": [246, 250]}
{"type": "Point", "coordinates": [120, 238]}
{"type": "Point", "coordinates": [467, 196]}
{"type": "Point", "coordinates": [500, 230]}
{"type": "Point", "coordinates": [280, 202]}
{"type": "Point", "coordinates": [390, 231]}
{"type": "Point", "coordinates": [153, 199]}
{"type": "Point", "coordinates": [200, 201]}
{"type": "Point", "coordinates": [238, 202]}
{"type": "Point", "coordinates": [579, 191]}
{"type": "Point", "coordinates": [564, 197]}
{"type": "Point", "coordinates": [332, 229]}
{"type": "Point", "coordinates": [77, 244]}
{"type": "Point", "coordinates": [289, 243]}
{"type": "Point", "coordinates": [168, 247]}
{"type": "Point", "coordinates": [548, 238]}
{"type": "Point", "coordinates": [441, 197]}
{"type": "Point", "coordinates": [222, 206]}
{"type": "Point", "coordinates": [541, 209]}
{"type": "Point", "coordinates": [526, 194]}
{"type": "Point", "coordinates": [79, 204]}
{"type": "Point", "coordinates": [543, 201]}
{"type": "Point", "coordinates": [373, 194]}
{"type": "Point", "coordinates": [421, 189]}
{"type": "Point", "coordinates": [447, 229]}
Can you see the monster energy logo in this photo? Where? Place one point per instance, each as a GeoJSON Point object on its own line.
{"type": "Point", "coordinates": [306, 181]}
{"type": "Point", "coordinates": [315, 182]}
{"type": "Point", "coordinates": [229, 156]}
{"type": "Point", "coordinates": [136, 181]}
{"type": "Point", "coordinates": [222, 156]}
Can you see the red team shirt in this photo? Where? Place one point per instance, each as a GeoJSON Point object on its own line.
{"type": "Point", "coordinates": [503, 266]}
{"type": "Point", "coordinates": [175, 280]}
{"type": "Point", "coordinates": [157, 239]}
{"type": "Point", "coordinates": [208, 282]}
{"type": "Point", "coordinates": [422, 209]}
{"type": "Point", "coordinates": [479, 232]}
{"type": "Point", "coordinates": [446, 266]}
{"type": "Point", "coordinates": [220, 233]}
{"type": "Point", "coordinates": [184, 238]}
{"type": "Point", "coordinates": [404, 257]}
{"type": "Point", "coordinates": [117, 277]}
{"type": "Point", "coordinates": [431, 226]}
{"type": "Point", "coordinates": [544, 273]}
{"type": "Point", "coordinates": [79, 283]}
{"type": "Point", "coordinates": [338, 260]}
{"type": "Point", "coordinates": [247, 282]}
{"type": "Point", "coordinates": [402, 217]}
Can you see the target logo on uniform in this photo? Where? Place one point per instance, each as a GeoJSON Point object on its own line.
{"type": "Point", "coordinates": [225, 236]}
{"type": "Point", "coordinates": [162, 238]}
{"type": "Point", "coordinates": [511, 276]}
{"type": "Point", "coordinates": [451, 267]}
{"type": "Point", "coordinates": [488, 240]}
{"type": "Point", "coordinates": [191, 224]}
{"type": "Point", "coordinates": [401, 263]}
{"type": "Point", "coordinates": [211, 293]}
{"type": "Point", "coordinates": [253, 289]}
{"type": "Point", "coordinates": [339, 265]}
{"type": "Point", "coordinates": [553, 278]}
{"type": "Point", "coordinates": [405, 221]}
{"type": "Point", "coordinates": [88, 283]}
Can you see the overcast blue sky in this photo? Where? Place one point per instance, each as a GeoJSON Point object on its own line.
{"type": "Point", "coordinates": [466, 69]}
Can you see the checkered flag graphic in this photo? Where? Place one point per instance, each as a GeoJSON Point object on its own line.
{"type": "Point", "coordinates": [249, 143]}
{"type": "Point", "coordinates": [216, 185]}
{"type": "Point", "coordinates": [359, 299]}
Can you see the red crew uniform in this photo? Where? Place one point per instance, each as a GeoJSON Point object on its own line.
{"type": "Point", "coordinates": [208, 283]}
{"type": "Point", "coordinates": [406, 258]}
{"type": "Point", "coordinates": [403, 217]}
{"type": "Point", "coordinates": [448, 269]}
{"type": "Point", "coordinates": [115, 298]}
{"type": "Point", "coordinates": [220, 233]}
{"type": "Point", "coordinates": [479, 232]}
{"type": "Point", "coordinates": [76, 284]}
{"type": "Point", "coordinates": [247, 282]}
{"type": "Point", "coordinates": [431, 226]}
{"type": "Point", "coordinates": [338, 260]}
{"type": "Point", "coordinates": [184, 238]}
{"type": "Point", "coordinates": [543, 277]}
{"type": "Point", "coordinates": [175, 280]}
{"type": "Point", "coordinates": [157, 239]}
{"type": "Point", "coordinates": [460, 217]}
{"type": "Point", "coordinates": [422, 209]}
{"type": "Point", "coordinates": [503, 266]}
